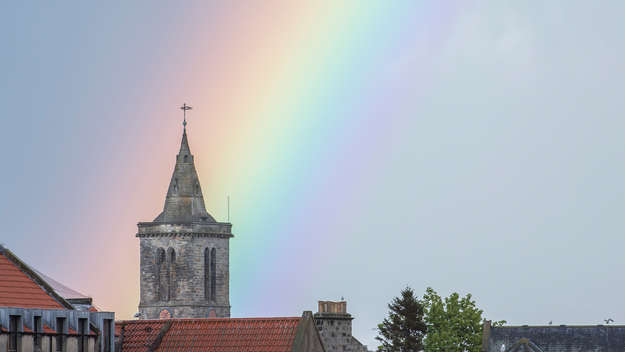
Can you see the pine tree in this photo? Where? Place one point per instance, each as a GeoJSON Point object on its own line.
{"type": "Point", "coordinates": [404, 328]}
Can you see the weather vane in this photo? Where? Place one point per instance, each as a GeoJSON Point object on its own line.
{"type": "Point", "coordinates": [184, 108]}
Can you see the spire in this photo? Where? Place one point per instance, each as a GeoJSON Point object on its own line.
{"type": "Point", "coordinates": [184, 202]}
{"type": "Point", "coordinates": [184, 145]}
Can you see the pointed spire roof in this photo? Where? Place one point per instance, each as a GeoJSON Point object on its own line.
{"type": "Point", "coordinates": [184, 145]}
{"type": "Point", "coordinates": [184, 202]}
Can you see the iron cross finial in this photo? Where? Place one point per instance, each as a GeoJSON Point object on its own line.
{"type": "Point", "coordinates": [184, 108]}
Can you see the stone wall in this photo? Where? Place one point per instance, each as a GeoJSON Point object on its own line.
{"type": "Point", "coordinates": [188, 299]}
{"type": "Point", "coordinates": [335, 327]}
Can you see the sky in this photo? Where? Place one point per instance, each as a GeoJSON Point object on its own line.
{"type": "Point", "coordinates": [470, 146]}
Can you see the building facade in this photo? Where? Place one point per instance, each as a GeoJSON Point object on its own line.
{"type": "Point", "coordinates": [335, 327]}
{"type": "Point", "coordinates": [184, 252]}
{"type": "Point", "coordinates": [35, 317]}
{"type": "Point", "coordinates": [553, 338]}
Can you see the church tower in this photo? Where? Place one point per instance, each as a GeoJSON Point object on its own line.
{"type": "Point", "coordinates": [184, 251]}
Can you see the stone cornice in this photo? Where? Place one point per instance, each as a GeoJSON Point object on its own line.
{"type": "Point", "coordinates": [185, 234]}
{"type": "Point", "coordinates": [158, 229]}
{"type": "Point", "coordinates": [195, 304]}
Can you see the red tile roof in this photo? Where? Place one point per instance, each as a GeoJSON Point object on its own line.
{"type": "Point", "coordinates": [17, 289]}
{"type": "Point", "coordinates": [215, 335]}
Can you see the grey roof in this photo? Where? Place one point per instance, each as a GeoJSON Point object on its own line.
{"type": "Point", "coordinates": [184, 202]}
{"type": "Point", "coordinates": [78, 300]}
{"type": "Point", "coordinates": [563, 338]}
{"type": "Point", "coordinates": [61, 289]}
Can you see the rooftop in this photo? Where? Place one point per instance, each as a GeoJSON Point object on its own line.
{"type": "Point", "coordinates": [22, 287]}
{"type": "Point", "coordinates": [215, 335]}
{"type": "Point", "coordinates": [554, 338]}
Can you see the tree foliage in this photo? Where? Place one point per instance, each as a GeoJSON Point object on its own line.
{"type": "Point", "coordinates": [433, 324]}
{"type": "Point", "coordinates": [404, 328]}
{"type": "Point", "coordinates": [454, 324]}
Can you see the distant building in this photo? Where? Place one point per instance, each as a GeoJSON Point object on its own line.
{"type": "Point", "coordinates": [35, 317]}
{"type": "Point", "coordinates": [296, 334]}
{"type": "Point", "coordinates": [184, 255]}
{"type": "Point", "coordinates": [562, 338]}
{"type": "Point", "coordinates": [335, 327]}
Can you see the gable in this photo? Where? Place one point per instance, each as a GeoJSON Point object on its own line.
{"type": "Point", "coordinates": [307, 338]}
{"type": "Point", "coordinates": [19, 289]}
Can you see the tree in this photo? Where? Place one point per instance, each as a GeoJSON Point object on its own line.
{"type": "Point", "coordinates": [404, 328]}
{"type": "Point", "coordinates": [453, 324]}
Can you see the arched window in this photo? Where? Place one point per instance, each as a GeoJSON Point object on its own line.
{"type": "Point", "coordinates": [185, 158]}
{"type": "Point", "coordinates": [161, 275]}
{"type": "Point", "coordinates": [171, 274]}
{"type": "Point", "coordinates": [207, 274]}
{"type": "Point", "coordinates": [213, 273]}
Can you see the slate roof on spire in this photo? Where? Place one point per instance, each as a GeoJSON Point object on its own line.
{"type": "Point", "coordinates": [184, 145]}
{"type": "Point", "coordinates": [184, 202]}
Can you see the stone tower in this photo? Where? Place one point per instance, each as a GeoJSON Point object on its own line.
{"type": "Point", "coordinates": [335, 327]}
{"type": "Point", "coordinates": [184, 252]}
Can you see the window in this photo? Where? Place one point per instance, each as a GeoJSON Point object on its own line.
{"type": "Point", "coordinates": [171, 274]}
{"type": "Point", "coordinates": [160, 256]}
{"type": "Point", "coordinates": [161, 275]}
{"type": "Point", "coordinates": [14, 322]}
{"type": "Point", "coordinates": [207, 274]}
{"type": "Point", "coordinates": [83, 334]}
{"type": "Point", "coordinates": [37, 330]}
{"type": "Point", "coordinates": [60, 328]}
{"type": "Point", "coordinates": [213, 274]}
{"type": "Point", "coordinates": [172, 255]}
{"type": "Point", "coordinates": [106, 335]}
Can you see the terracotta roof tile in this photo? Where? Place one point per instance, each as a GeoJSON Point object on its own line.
{"type": "Point", "coordinates": [139, 334]}
{"type": "Point", "coordinates": [215, 335]}
{"type": "Point", "coordinates": [18, 290]}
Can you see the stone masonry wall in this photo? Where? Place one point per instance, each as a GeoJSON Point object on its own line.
{"type": "Point", "coordinates": [188, 299]}
{"type": "Point", "coordinates": [336, 334]}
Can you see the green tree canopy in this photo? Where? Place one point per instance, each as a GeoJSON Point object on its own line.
{"type": "Point", "coordinates": [433, 324]}
{"type": "Point", "coordinates": [404, 328]}
{"type": "Point", "coordinates": [454, 324]}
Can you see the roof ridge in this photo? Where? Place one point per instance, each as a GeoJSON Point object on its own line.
{"type": "Point", "coordinates": [151, 321]}
{"type": "Point", "coordinates": [560, 326]}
